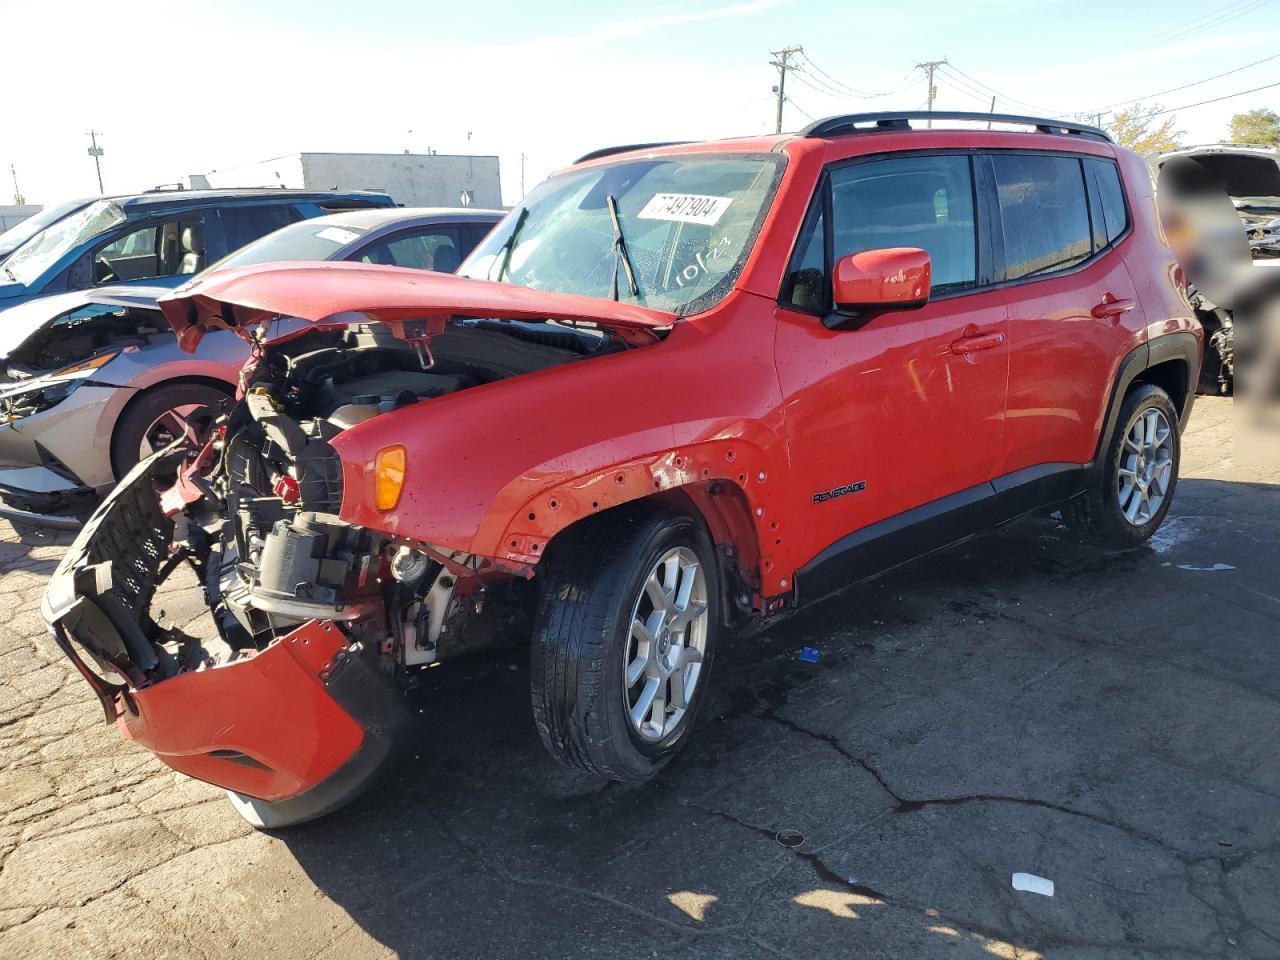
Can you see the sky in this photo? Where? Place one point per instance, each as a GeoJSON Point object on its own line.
{"type": "Point", "coordinates": [186, 86]}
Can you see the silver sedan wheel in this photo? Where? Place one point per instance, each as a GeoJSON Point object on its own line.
{"type": "Point", "coordinates": [181, 421]}
{"type": "Point", "coordinates": [668, 638]}
{"type": "Point", "coordinates": [1145, 467]}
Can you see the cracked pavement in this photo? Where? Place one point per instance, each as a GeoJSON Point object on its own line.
{"type": "Point", "coordinates": [1021, 703]}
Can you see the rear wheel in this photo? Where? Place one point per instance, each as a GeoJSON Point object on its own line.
{"type": "Point", "coordinates": [160, 416]}
{"type": "Point", "coordinates": [1133, 486]}
{"type": "Point", "coordinates": [624, 640]}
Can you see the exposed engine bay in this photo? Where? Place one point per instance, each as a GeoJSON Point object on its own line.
{"type": "Point", "coordinates": [258, 519]}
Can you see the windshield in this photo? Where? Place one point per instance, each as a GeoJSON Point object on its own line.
{"type": "Point", "coordinates": [305, 240]}
{"type": "Point", "coordinates": [47, 247]}
{"type": "Point", "coordinates": [687, 223]}
{"type": "Point", "coordinates": [20, 233]}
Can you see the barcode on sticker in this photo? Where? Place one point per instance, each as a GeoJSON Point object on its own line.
{"type": "Point", "coordinates": [686, 208]}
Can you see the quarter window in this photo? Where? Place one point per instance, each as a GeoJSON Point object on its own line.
{"type": "Point", "coordinates": [1106, 180]}
{"type": "Point", "coordinates": [1045, 213]}
{"type": "Point", "coordinates": [924, 202]}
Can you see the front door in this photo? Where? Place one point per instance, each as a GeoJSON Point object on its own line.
{"type": "Point", "coordinates": [908, 409]}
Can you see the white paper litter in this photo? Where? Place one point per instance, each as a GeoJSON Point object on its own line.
{"type": "Point", "coordinates": [1213, 569]}
{"type": "Point", "coordinates": [1030, 883]}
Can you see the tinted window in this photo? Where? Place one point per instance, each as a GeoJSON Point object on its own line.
{"type": "Point", "coordinates": [1045, 213]}
{"type": "Point", "coordinates": [1106, 181]}
{"type": "Point", "coordinates": [243, 224]}
{"type": "Point", "coordinates": [432, 248]}
{"type": "Point", "coordinates": [924, 202]}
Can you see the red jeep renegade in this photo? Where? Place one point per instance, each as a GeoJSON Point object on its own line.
{"type": "Point", "coordinates": [681, 389]}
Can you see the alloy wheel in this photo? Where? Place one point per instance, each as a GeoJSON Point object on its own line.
{"type": "Point", "coordinates": [667, 641]}
{"type": "Point", "coordinates": [190, 421]}
{"type": "Point", "coordinates": [1145, 467]}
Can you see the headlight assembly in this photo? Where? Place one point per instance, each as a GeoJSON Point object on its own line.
{"type": "Point", "coordinates": [42, 393]}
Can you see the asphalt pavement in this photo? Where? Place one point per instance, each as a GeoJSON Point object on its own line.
{"type": "Point", "coordinates": [1023, 703]}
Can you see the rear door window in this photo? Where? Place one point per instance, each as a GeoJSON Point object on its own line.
{"type": "Point", "coordinates": [245, 223]}
{"type": "Point", "coordinates": [1045, 213]}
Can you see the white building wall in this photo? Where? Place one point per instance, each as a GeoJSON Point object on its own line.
{"type": "Point", "coordinates": [278, 172]}
{"type": "Point", "coordinates": [412, 179]}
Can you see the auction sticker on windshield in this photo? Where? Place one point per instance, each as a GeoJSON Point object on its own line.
{"type": "Point", "coordinates": [685, 208]}
{"type": "Point", "coordinates": [338, 235]}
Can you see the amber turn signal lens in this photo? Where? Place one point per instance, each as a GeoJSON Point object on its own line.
{"type": "Point", "coordinates": [388, 476]}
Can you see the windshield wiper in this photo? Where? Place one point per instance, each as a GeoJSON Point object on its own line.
{"type": "Point", "coordinates": [620, 254]}
{"type": "Point", "coordinates": [509, 244]}
{"type": "Point", "coordinates": [12, 276]}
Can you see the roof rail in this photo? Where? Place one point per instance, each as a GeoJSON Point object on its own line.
{"type": "Point", "coordinates": [626, 148]}
{"type": "Point", "coordinates": [901, 120]}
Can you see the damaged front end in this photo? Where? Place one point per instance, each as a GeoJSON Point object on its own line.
{"type": "Point", "coordinates": [293, 699]}
{"type": "Point", "coordinates": [294, 723]}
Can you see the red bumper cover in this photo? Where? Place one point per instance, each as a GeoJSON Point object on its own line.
{"type": "Point", "coordinates": [265, 726]}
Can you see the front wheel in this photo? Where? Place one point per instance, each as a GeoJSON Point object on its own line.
{"type": "Point", "coordinates": [624, 640]}
{"type": "Point", "coordinates": [1132, 488]}
{"type": "Point", "coordinates": [160, 416]}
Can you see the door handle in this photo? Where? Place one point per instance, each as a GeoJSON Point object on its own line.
{"type": "Point", "coordinates": [1111, 307]}
{"type": "Point", "coordinates": [981, 341]}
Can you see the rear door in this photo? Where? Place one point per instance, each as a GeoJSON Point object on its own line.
{"type": "Point", "coordinates": [1067, 291]}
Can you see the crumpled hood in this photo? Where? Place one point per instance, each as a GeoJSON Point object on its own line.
{"type": "Point", "coordinates": [329, 293]}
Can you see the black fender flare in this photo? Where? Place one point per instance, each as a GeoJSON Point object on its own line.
{"type": "Point", "coordinates": [1183, 346]}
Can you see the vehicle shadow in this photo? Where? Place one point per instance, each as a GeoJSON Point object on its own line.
{"type": "Point", "coordinates": [480, 845]}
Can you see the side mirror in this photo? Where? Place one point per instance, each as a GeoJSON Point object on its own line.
{"type": "Point", "coordinates": [876, 281]}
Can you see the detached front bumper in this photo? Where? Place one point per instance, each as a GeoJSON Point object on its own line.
{"type": "Point", "coordinates": [295, 730]}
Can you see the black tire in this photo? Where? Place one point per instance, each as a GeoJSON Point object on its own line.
{"type": "Point", "coordinates": [145, 409]}
{"type": "Point", "coordinates": [581, 636]}
{"type": "Point", "coordinates": [1096, 514]}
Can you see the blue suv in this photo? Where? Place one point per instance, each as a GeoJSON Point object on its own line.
{"type": "Point", "coordinates": [159, 238]}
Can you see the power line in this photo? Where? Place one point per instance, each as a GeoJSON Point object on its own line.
{"type": "Point", "coordinates": [815, 83]}
{"type": "Point", "coordinates": [1195, 83]}
{"type": "Point", "coordinates": [854, 91]}
{"type": "Point", "coordinates": [952, 68]}
{"type": "Point", "coordinates": [1207, 21]}
{"type": "Point", "coordinates": [1229, 96]}
{"type": "Point", "coordinates": [801, 109]}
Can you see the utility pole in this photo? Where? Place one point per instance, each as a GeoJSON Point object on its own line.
{"type": "Point", "coordinates": [18, 198]}
{"type": "Point", "coordinates": [96, 152]}
{"type": "Point", "coordinates": [993, 110]}
{"type": "Point", "coordinates": [928, 67]}
{"type": "Point", "coordinates": [783, 62]}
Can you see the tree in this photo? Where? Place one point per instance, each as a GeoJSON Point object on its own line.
{"type": "Point", "coordinates": [1256, 126]}
{"type": "Point", "coordinates": [1145, 129]}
